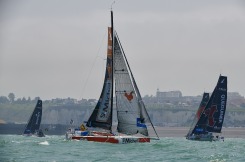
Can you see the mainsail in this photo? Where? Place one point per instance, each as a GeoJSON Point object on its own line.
{"type": "Point", "coordinates": [35, 119]}
{"type": "Point", "coordinates": [212, 117]}
{"type": "Point", "coordinates": [102, 114]}
{"type": "Point", "coordinates": [202, 105]}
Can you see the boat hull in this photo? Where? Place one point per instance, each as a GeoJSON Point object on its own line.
{"type": "Point", "coordinates": [97, 136]}
{"type": "Point", "coordinates": [200, 139]}
{"type": "Point", "coordinates": [113, 139]}
{"type": "Point", "coordinates": [208, 137]}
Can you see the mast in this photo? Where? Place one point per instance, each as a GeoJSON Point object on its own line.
{"type": "Point", "coordinates": [112, 67]}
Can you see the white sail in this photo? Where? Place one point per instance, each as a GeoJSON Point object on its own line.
{"type": "Point", "coordinates": [129, 115]}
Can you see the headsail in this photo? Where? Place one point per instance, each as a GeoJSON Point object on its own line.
{"type": "Point", "coordinates": [102, 114]}
{"type": "Point", "coordinates": [34, 122]}
{"type": "Point", "coordinates": [131, 119]}
{"type": "Point", "coordinates": [212, 117]}
{"type": "Point", "coordinates": [202, 105]}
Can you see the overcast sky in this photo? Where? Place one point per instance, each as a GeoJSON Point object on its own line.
{"type": "Point", "coordinates": [56, 48]}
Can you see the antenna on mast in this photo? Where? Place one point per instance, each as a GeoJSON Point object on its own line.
{"type": "Point", "coordinates": [112, 4]}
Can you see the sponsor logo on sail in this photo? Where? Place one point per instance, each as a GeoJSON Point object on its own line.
{"type": "Point", "coordinates": [200, 110]}
{"type": "Point", "coordinates": [222, 107]}
{"type": "Point", "coordinates": [110, 36]}
{"type": "Point", "coordinates": [37, 115]}
{"type": "Point", "coordinates": [109, 70]}
{"type": "Point", "coordinates": [222, 89]}
{"type": "Point", "coordinates": [140, 123]}
{"type": "Point", "coordinates": [210, 114]}
{"type": "Point", "coordinates": [129, 96]}
{"type": "Point", "coordinates": [104, 107]}
{"type": "Point", "coordinates": [222, 81]}
{"type": "Point", "coordinates": [109, 47]}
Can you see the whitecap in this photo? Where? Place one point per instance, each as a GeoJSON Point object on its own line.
{"type": "Point", "coordinates": [44, 143]}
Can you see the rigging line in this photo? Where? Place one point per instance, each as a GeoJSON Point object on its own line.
{"type": "Point", "coordinates": [92, 67]}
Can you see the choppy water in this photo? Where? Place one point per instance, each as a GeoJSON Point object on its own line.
{"type": "Point", "coordinates": [17, 148]}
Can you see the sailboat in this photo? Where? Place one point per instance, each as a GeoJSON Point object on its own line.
{"type": "Point", "coordinates": [202, 105]}
{"type": "Point", "coordinates": [210, 119]}
{"type": "Point", "coordinates": [132, 117]}
{"type": "Point", "coordinates": [33, 126]}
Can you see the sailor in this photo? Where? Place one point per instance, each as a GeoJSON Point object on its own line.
{"type": "Point", "coordinates": [82, 127]}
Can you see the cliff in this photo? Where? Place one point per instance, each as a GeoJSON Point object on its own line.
{"type": "Point", "coordinates": [160, 116]}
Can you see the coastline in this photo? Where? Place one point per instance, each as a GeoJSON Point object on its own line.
{"type": "Point", "coordinates": [227, 132]}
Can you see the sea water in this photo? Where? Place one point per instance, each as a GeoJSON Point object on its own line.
{"type": "Point", "coordinates": [17, 148]}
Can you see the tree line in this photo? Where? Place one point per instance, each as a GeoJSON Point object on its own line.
{"type": "Point", "coordinates": [11, 99]}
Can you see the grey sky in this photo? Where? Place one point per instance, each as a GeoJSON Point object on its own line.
{"type": "Point", "coordinates": [56, 48]}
